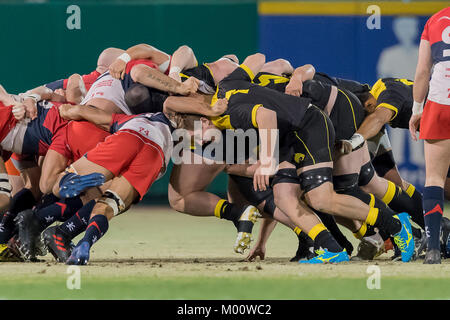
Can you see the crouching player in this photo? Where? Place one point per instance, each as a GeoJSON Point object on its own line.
{"type": "Point", "coordinates": [133, 157]}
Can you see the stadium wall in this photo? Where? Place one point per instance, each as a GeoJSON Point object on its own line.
{"type": "Point", "coordinates": [40, 47]}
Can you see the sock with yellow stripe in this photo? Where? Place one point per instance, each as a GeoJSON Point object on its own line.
{"type": "Point", "coordinates": [361, 232]}
{"type": "Point", "coordinates": [228, 211]}
{"type": "Point", "coordinates": [401, 201]}
{"type": "Point", "coordinates": [367, 198]}
{"type": "Point", "coordinates": [330, 223]}
{"type": "Point", "coordinates": [384, 220]}
{"type": "Point", "coordinates": [323, 239]}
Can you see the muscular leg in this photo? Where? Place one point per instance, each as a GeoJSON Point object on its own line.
{"type": "Point", "coordinates": [107, 207]}
{"type": "Point", "coordinates": [83, 167]}
{"type": "Point", "coordinates": [54, 164]}
{"type": "Point", "coordinates": [187, 186]}
{"type": "Point", "coordinates": [437, 160]}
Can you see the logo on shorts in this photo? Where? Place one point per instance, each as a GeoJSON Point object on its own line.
{"type": "Point", "coordinates": [298, 157]}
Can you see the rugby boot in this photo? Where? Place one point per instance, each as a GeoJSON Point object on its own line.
{"type": "Point", "coordinates": [432, 257]}
{"type": "Point", "coordinates": [244, 228]}
{"type": "Point", "coordinates": [370, 247]}
{"type": "Point", "coordinates": [58, 244]}
{"type": "Point", "coordinates": [80, 254]}
{"type": "Point", "coordinates": [8, 255]}
{"type": "Point", "coordinates": [404, 238]}
{"type": "Point", "coordinates": [324, 256]}
{"type": "Point", "coordinates": [29, 235]}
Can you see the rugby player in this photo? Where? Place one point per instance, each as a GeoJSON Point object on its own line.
{"type": "Point", "coordinates": [74, 140]}
{"type": "Point", "coordinates": [146, 138]}
{"type": "Point", "coordinates": [346, 113]}
{"type": "Point", "coordinates": [315, 177]}
{"type": "Point", "coordinates": [434, 119]}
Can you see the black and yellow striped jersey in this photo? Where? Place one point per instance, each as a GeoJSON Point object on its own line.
{"type": "Point", "coordinates": [395, 94]}
{"type": "Point", "coordinates": [272, 81]}
{"type": "Point", "coordinates": [347, 112]}
{"type": "Point", "coordinates": [202, 73]}
{"type": "Point", "coordinates": [279, 83]}
{"type": "Point", "coordinates": [244, 99]}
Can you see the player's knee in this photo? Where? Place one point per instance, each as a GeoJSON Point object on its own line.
{"type": "Point", "coordinates": [110, 204]}
{"type": "Point", "coordinates": [45, 186]}
{"type": "Point", "coordinates": [321, 201]}
{"type": "Point", "coordinates": [176, 201]}
{"type": "Point", "coordinates": [5, 201]}
{"type": "Point", "coordinates": [366, 174]}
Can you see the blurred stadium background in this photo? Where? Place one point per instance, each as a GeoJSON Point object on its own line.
{"type": "Point", "coordinates": [40, 43]}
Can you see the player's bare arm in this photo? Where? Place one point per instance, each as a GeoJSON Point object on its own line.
{"type": "Point", "coordinates": [421, 84]}
{"type": "Point", "coordinates": [155, 79]}
{"type": "Point", "coordinates": [182, 58]}
{"type": "Point", "coordinates": [267, 122]}
{"type": "Point", "coordinates": [76, 90]}
{"type": "Point", "coordinates": [300, 75]}
{"type": "Point", "coordinates": [255, 62]}
{"type": "Point", "coordinates": [278, 67]}
{"type": "Point", "coordinates": [259, 249]}
{"type": "Point", "coordinates": [373, 123]}
{"type": "Point", "coordinates": [195, 104]}
{"type": "Point", "coordinates": [140, 51]}
{"type": "Point", "coordinates": [243, 170]}
{"type": "Point", "coordinates": [88, 113]}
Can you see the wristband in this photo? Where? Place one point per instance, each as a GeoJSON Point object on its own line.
{"type": "Point", "coordinates": [164, 66]}
{"type": "Point", "coordinates": [36, 97]}
{"type": "Point", "coordinates": [125, 57]}
{"type": "Point", "coordinates": [357, 141]}
{"type": "Point", "coordinates": [175, 69]}
{"type": "Point", "coordinates": [417, 108]}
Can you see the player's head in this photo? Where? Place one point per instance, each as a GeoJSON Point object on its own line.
{"type": "Point", "coordinates": [368, 100]}
{"type": "Point", "coordinates": [199, 127]}
{"type": "Point", "coordinates": [138, 98]}
{"type": "Point", "coordinates": [106, 58]}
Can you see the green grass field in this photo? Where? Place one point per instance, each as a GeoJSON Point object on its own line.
{"type": "Point", "coordinates": [156, 253]}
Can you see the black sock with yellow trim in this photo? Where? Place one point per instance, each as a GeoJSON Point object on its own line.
{"type": "Point", "coordinates": [367, 198]}
{"type": "Point", "coordinates": [330, 224]}
{"type": "Point", "coordinates": [323, 239]}
{"type": "Point", "coordinates": [228, 211]}
{"type": "Point", "coordinates": [401, 201]}
{"type": "Point", "coordinates": [383, 220]}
